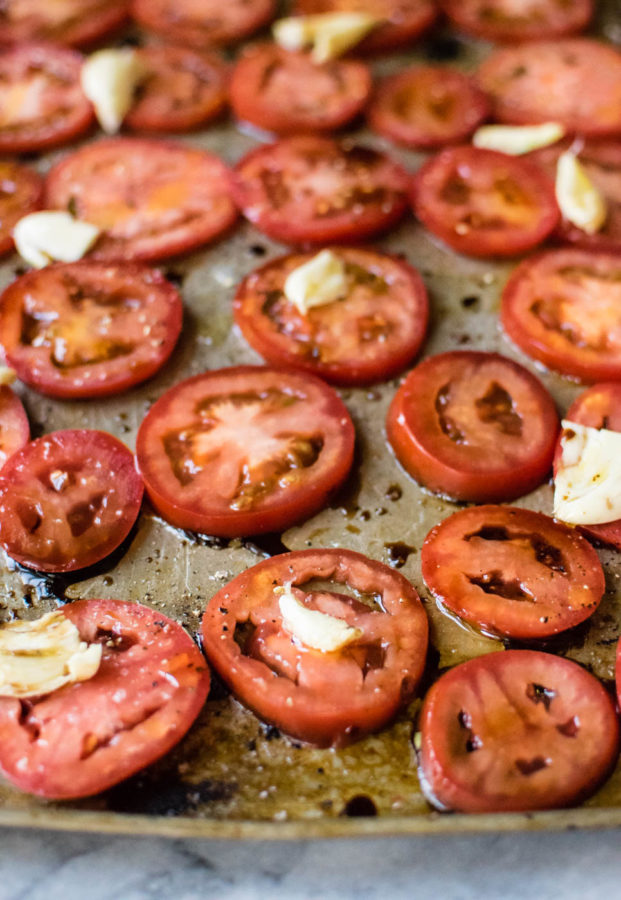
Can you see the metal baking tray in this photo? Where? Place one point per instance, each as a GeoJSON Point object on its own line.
{"type": "Point", "coordinates": [232, 776]}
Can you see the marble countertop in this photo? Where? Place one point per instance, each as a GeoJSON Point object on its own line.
{"type": "Point", "coordinates": [38, 865]}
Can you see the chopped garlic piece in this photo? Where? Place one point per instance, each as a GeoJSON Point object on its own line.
{"type": "Point", "coordinates": [329, 34]}
{"type": "Point", "coordinates": [579, 200]}
{"type": "Point", "coordinates": [517, 139]}
{"type": "Point", "coordinates": [109, 79]}
{"type": "Point", "coordinates": [42, 237]}
{"type": "Point", "coordinates": [40, 656]}
{"type": "Point", "coordinates": [312, 628]}
{"type": "Point", "coordinates": [7, 375]}
{"type": "Point", "coordinates": [317, 282]}
{"type": "Point", "coordinates": [587, 484]}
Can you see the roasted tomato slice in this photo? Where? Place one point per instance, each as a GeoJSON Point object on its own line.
{"type": "Point", "coordinates": [183, 90]}
{"type": "Point", "coordinates": [483, 203]}
{"type": "Point", "coordinates": [87, 329]}
{"type": "Point", "coordinates": [368, 335]}
{"type": "Point", "coordinates": [77, 23]}
{"type": "Point", "coordinates": [287, 93]}
{"type": "Point", "coordinates": [563, 308]}
{"type": "Point", "coordinates": [151, 684]}
{"type": "Point", "coordinates": [244, 450]}
{"type": "Point", "coordinates": [515, 731]}
{"type": "Point", "coordinates": [512, 572]}
{"type": "Point", "coordinates": [403, 20]}
{"type": "Point", "coordinates": [314, 190]}
{"type": "Point", "coordinates": [67, 500]}
{"type": "Point", "coordinates": [21, 190]}
{"type": "Point", "coordinates": [427, 107]}
{"type": "Point", "coordinates": [41, 101]}
{"type": "Point", "coordinates": [203, 23]}
{"type": "Point", "coordinates": [325, 698]}
{"type": "Point", "coordinates": [474, 426]}
{"type": "Point", "coordinates": [14, 427]}
{"type": "Point", "coordinates": [576, 82]}
{"type": "Point", "coordinates": [152, 199]}
{"type": "Point", "coordinates": [527, 20]}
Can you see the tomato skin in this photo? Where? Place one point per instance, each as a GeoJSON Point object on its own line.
{"type": "Point", "coordinates": [483, 203]}
{"type": "Point", "coordinates": [225, 483]}
{"type": "Point", "coordinates": [328, 702]}
{"type": "Point", "coordinates": [21, 190]}
{"type": "Point", "coordinates": [561, 309]}
{"type": "Point", "coordinates": [203, 23]}
{"type": "Point", "coordinates": [549, 20]}
{"type": "Point", "coordinates": [427, 107]}
{"type": "Point", "coordinates": [91, 21]}
{"type": "Point", "coordinates": [324, 341]}
{"type": "Point", "coordinates": [514, 731]}
{"type": "Point", "coordinates": [14, 425]}
{"type": "Point", "coordinates": [512, 572]}
{"type": "Point", "coordinates": [150, 686]}
{"type": "Point", "coordinates": [267, 84]}
{"type": "Point", "coordinates": [487, 448]}
{"type": "Point", "coordinates": [67, 500]}
{"type": "Point", "coordinates": [122, 355]}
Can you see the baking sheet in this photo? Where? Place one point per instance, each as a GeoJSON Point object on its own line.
{"type": "Point", "coordinates": [232, 776]}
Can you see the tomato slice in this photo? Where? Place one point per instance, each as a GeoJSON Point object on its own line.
{"type": "Point", "coordinates": [14, 427]}
{"type": "Point", "coordinates": [473, 426]}
{"type": "Point", "coordinates": [83, 738]}
{"type": "Point", "coordinates": [404, 20]}
{"type": "Point", "coordinates": [76, 23]}
{"type": "Point", "coordinates": [89, 329]}
{"type": "Point", "coordinates": [515, 731]}
{"type": "Point", "coordinates": [369, 335]}
{"type": "Point", "coordinates": [244, 450]}
{"type": "Point", "coordinates": [287, 93]}
{"type": "Point", "coordinates": [527, 20]}
{"type": "Point", "coordinates": [309, 189]}
{"type": "Point", "coordinates": [21, 190]}
{"type": "Point", "coordinates": [563, 308]}
{"type": "Point", "coordinates": [67, 500]}
{"type": "Point", "coordinates": [183, 90]}
{"type": "Point", "coordinates": [203, 23]}
{"type": "Point", "coordinates": [323, 698]}
{"type": "Point", "coordinates": [512, 572]}
{"type": "Point", "coordinates": [576, 82]}
{"type": "Point", "coordinates": [41, 101]}
{"type": "Point", "coordinates": [427, 107]}
{"type": "Point", "coordinates": [483, 203]}
{"type": "Point", "coordinates": [152, 199]}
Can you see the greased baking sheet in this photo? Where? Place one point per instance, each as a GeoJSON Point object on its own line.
{"type": "Point", "coordinates": [232, 776]}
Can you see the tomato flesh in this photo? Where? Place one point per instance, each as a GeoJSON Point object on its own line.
{"type": "Point", "coordinates": [203, 23]}
{"type": "Point", "coordinates": [21, 189]}
{"type": "Point", "coordinates": [14, 426]}
{"type": "Point", "coordinates": [76, 23]}
{"type": "Point", "coordinates": [528, 20]}
{"type": "Point", "coordinates": [514, 731]}
{"type": "Point", "coordinates": [323, 698]}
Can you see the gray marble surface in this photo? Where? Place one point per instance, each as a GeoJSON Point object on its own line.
{"type": "Point", "coordinates": [37, 865]}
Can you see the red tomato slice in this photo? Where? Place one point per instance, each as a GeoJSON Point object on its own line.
{"type": "Point", "coordinates": [482, 203]}
{"type": "Point", "coordinates": [244, 450]}
{"type": "Point", "coordinates": [83, 738]}
{"type": "Point", "coordinates": [67, 500]}
{"type": "Point", "coordinates": [183, 90]}
{"type": "Point", "coordinates": [515, 731]}
{"type": "Point", "coordinates": [203, 23]}
{"type": "Point", "coordinates": [41, 101]}
{"type": "Point", "coordinates": [21, 190]}
{"type": "Point", "coordinates": [369, 335]}
{"type": "Point", "coordinates": [76, 23]}
{"type": "Point", "coordinates": [563, 308]}
{"type": "Point", "coordinates": [404, 20]}
{"type": "Point", "coordinates": [14, 427]}
{"type": "Point", "coordinates": [323, 698]}
{"type": "Point", "coordinates": [89, 329]}
{"type": "Point", "coordinates": [512, 572]}
{"type": "Point", "coordinates": [314, 190]}
{"type": "Point", "coordinates": [574, 82]}
{"type": "Point", "coordinates": [152, 199]}
{"type": "Point", "coordinates": [287, 93]}
{"type": "Point", "coordinates": [527, 20]}
{"type": "Point", "coordinates": [427, 107]}
{"type": "Point", "coordinates": [473, 426]}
